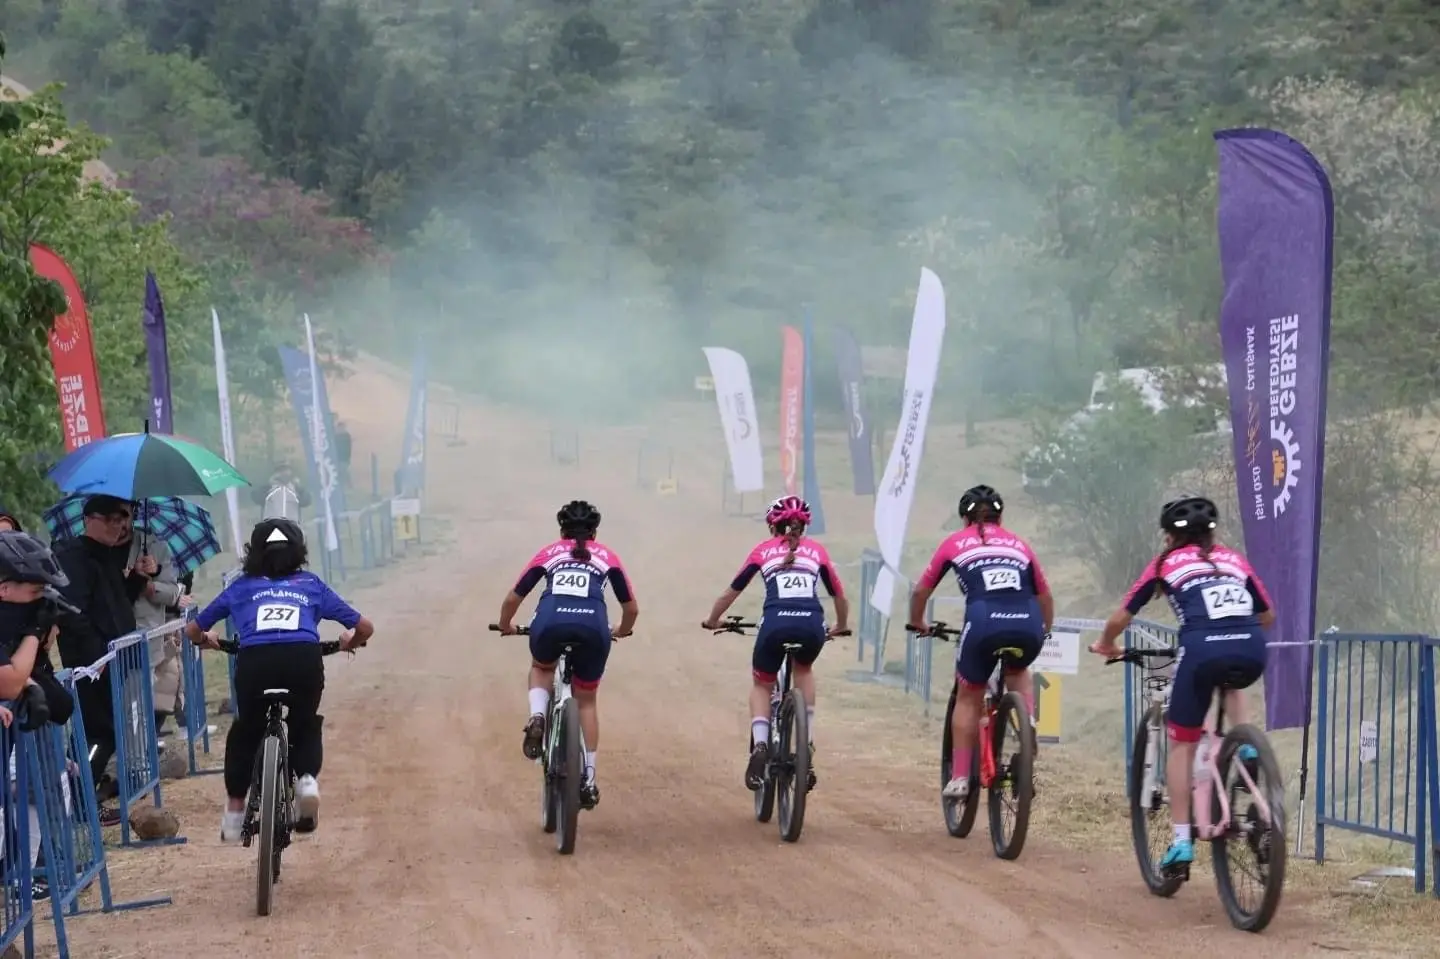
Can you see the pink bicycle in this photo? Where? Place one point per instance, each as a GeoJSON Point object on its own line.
{"type": "Point", "coordinates": [1244, 754]}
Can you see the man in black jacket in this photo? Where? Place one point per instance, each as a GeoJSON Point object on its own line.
{"type": "Point", "coordinates": [105, 594]}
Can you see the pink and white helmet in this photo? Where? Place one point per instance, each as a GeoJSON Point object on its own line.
{"type": "Point", "coordinates": [788, 509]}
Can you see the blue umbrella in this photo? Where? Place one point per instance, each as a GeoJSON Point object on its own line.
{"type": "Point", "coordinates": [138, 466]}
{"type": "Point", "coordinates": [186, 529]}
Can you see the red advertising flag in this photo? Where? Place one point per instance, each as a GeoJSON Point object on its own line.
{"type": "Point", "coordinates": [792, 385]}
{"type": "Point", "coordinates": [72, 351]}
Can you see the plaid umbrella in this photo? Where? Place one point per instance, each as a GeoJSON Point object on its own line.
{"type": "Point", "coordinates": [186, 529]}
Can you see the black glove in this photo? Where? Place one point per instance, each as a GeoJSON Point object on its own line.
{"type": "Point", "coordinates": [34, 710]}
{"type": "Point", "coordinates": [46, 620]}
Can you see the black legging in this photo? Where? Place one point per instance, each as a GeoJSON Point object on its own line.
{"type": "Point", "coordinates": [297, 667]}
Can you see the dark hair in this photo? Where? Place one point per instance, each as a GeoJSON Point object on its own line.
{"type": "Point", "coordinates": [1189, 521]}
{"type": "Point", "coordinates": [278, 558]}
{"type": "Point", "coordinates": [581, 536]}
{"type": "Point", "coordinates": [1179, 539]}
{"type": "Point", "coordinates": [792, 530]}
{"type": "Point", "coordinates": [103, 504]}
{"type": "Point", "coordinates": [980, 505]}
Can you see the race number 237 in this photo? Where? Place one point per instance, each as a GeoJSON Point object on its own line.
{"type": "Point", "coordinates": [571, 583]}
{"type": "Point", "coordinates": [795, 586]}
{"type": "Point", "coordinates": [277, 616]}
{"type": "Point", "coordinates": [1222, 602]}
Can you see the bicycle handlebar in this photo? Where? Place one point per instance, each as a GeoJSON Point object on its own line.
{"type": "Point", "coordinates": [328, 647]}
{"type": "Point", "coordinates": [736, 624]}
{"type": "Point", "coordinates": [938, 630]}
{"type": "Point", "coordinates": [1137, 657]}
{"type": "Point", "coordinates": [519, 630]}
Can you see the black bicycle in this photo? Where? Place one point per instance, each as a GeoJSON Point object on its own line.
{"type": "Point", "coordinates": [562, 763]}
{"type": "Point", "coordinates": [790, 754]}
{"type": "Point", "coordinates": [1008, 774]}
{"type": "Point", "coordinates": [270, 807]}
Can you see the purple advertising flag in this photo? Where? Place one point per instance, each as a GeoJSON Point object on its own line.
{"type": "Point", "coordinates": [862, 463]}
{"type": "Point", "coordinates": [161, 413]}
{"type": "Point", "coordinates": [1276, 220]}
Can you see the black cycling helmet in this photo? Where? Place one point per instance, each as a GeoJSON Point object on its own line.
{"type": "Point", "coordinates": [24, 559]}
{"type": "Point", "coordinates": [976, 497]}
{"type": "Point", "coordinates": [1189, 514]}
{"type": "Point", "coordinates": [578, 514]}
{"type": "Point", "coordinates": [275, 533]}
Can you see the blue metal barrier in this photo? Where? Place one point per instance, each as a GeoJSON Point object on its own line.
{"type": "Point", "coordinates": [20, 828]}
{"type": "Point", "coordinates": [137, 756]}
{"type": "Point", "coordinates": [196, 709]}
{"type": "Point", "coordinates": [1373, 739]}
{"type": "Point", "coordinates": [1142, 634]}
{"type": "Point", "coordinates": [70, 837]}
{"type": "Point", "coordinates": [873, 625]}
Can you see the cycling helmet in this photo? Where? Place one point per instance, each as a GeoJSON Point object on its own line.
{"type": "Point", "coordinates": [788, 509]}
{"type": "Point", "coordinates": [276, 532]}
{"type": "Point", "coordinates": [578, 514]}
{"type": "Point", "coordinates": [977, 496]}
{"type": "Point", "coordinates": [24, 559]}
{"type": "Point", "coordinates": [1188, 514]}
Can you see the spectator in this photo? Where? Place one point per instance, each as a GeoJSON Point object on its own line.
{"type": "Point", "coordinates": [8, 521]}
{"type": "Point", "coordinates": [283, 497]}
{"type": "Point", "coordinates": [105, 596]}
{"type": "Point", "coordinates": [342, 452]}
{"type": "Point", "coordinates": [152, 609]}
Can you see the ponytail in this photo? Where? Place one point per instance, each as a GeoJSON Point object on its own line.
{"type": "Point", "coordinates": [581, 537]}
{"type": "Point", "coordinates": [1205, 539]}
{"type": "Point", "coordinates": [984, 514]}
{"type": "Point", "coordinates": [792, 534]}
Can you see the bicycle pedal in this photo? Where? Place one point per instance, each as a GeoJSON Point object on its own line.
{"type": "Point", "coordinates": [1181, 871]}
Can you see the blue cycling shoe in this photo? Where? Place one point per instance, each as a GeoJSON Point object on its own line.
{"type": "Point", "coordinates": [1250, 757]}
{"type": "Point", "coordinates": [1248, 752]}
{"type": "Point", "coordinates": [1178, 858]}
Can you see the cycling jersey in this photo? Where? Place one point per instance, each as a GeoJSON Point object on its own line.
{"type": "Point", "coordinates": [574, 588]}
{"type": "Point", "coordinates": [1215, 592]}
{"type": "Point", "coordinates": [990, 563]}
{"type": "Point", "coordinates": [793, 586]}
{"type": "Point", "coordinates": [289, 610]}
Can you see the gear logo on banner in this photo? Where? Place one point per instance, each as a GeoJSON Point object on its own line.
{"type": "Point", "coordinates": [1285, 460]}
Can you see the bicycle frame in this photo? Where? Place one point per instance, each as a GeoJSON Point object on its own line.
{"type": "Point", "coordinates": [559, 694]}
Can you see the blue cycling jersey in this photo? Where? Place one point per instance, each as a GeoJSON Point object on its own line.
{"type": "Point", "coordinates": [287, 610]}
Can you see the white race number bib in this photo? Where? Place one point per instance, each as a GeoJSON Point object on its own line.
{"type": "Point", "coordinates": [272, 616]}
{"type": "Point", "coordinates": [571, 582]}
{"type": "Point", "coordinates": [1222, 602]}
{"type": "Point", "coordinates": [1000, 578]}
{"type": "Point", "coordinates": [795, 586]}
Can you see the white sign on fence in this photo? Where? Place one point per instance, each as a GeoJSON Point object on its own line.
{"type": "Point", "coordinates": [1060, 654]}
{"type": "Point", "coordinates": [405, 507]}
{"type": "Point", "coordinates": [1369, 741]}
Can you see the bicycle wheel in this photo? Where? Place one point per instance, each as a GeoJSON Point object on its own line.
{"type": "Point", "coordinates": [765, 795]}
{"type": "Point", "coordinates": [1149, 804]}
{"type": "Point", "coordinates": [269, 806]}
{"type": "Point", "coordinates": [1252, 835]}
{"type": "Point", "coordinates": [570, 768]}
{"type": "Point", "coordinates": [549, 795]}
{"type": "Point", "coordinates": [959, 817]}
{"type": "Point", "coordinates": [1013, 788]}
{"type": "Point", "coordinates": [793, 766]}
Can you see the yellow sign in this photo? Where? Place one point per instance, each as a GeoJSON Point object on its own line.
{"type": "Point", "coordinates": [705, 384]}
{"type": "Point", "coordinates": [667, 486]}
{"type": "Point", "coordinates": [407, 528]}
{"type": "Point", "coordinates": [1047, 707]}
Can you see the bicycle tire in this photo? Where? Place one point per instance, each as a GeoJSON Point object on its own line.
{"type": "Point", "coordinates": [1021, 768]}
{"type": "Point", "coordinates": [549, 795]}
{"type": "Point", "coordinates": [765, 795]}
{"type": "Point", "coordinates": [794, 765]}
{"type": "Point", "coordinates": [1159, 885]}
{"type": "Point", "coordinates": [959, 817]}
{"type": "Point", "coordinates": [1277, 847]}
{"type": "Point", "coordinates": [571, 769]}
{"type": "Point", "coordinates": [269, 806]}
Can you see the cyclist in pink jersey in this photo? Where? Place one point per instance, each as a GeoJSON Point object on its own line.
{"type": "Point", "coordinates": [572, 609]}
{"type": "Point", "coordinates": [1223, 610]}
{"type": "Point", "coordinates": [790, 565]}
{"type": "Point", "coordinates": [1007, 604]}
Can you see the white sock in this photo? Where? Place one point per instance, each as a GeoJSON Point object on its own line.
{"type": "Point", "coordinates": [539, 701]}
{"type": "Point", "coordinates": [590, 762]}
{"type": "Point", "coordinates": [810, 723]}
{"type": "Point", "coordinates": [760, 730]}
{"type": "Point", "coordinates": [1182, 832]}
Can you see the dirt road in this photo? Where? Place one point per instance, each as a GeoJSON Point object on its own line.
{"type": "Point", "coordinates": [430, 843]}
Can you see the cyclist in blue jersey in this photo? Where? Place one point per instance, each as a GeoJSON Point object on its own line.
{"type": "Point", "coordinates": [791, 565]}
{"type": "Point", "coordinates": [275, 608]}
{"type": "Point", "coordinates": [575, 569]}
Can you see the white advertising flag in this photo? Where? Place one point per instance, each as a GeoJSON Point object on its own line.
{"type": "Point", "coordinates": [227, 433]}
{"type": "Point", "coordinates": [897, 489]}
{"type": "Point", "coordinates": [318, 437]}
{"type": "Point", "coordinates": [737, 417]}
